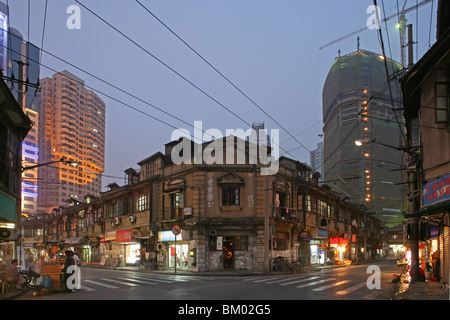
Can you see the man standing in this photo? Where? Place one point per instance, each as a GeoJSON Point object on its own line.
{"type": "Point", "coordinates": [69, 262]}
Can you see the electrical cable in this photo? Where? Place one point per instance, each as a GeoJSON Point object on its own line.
{"type": "Point", "coordinates": [170, 68]}
{"type": "Point", "coordinates": [221, 74]}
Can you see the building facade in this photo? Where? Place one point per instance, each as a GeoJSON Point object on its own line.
{"type": "Point", "coordinates": [72, 126]}
{"type": "Point", "coordinates": [357, 105]}
{"type": "Point", "coordinates": [23, 65]}
{"type": "Point", "coordinates": [426, 96]}
{"type": "Point", "coordinates": [230, 217]}
{"type": "Point", "coordinates": [316, 160]}
{"type": "Point", "coordinates": [14, 126]}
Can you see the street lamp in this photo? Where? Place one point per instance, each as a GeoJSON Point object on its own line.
{"type": "Point", "coordinates": [414, 221]}
{"type": "Point", "coordinates": [69, 162]}
{"type": "Point", "coordinates": [360, 143]}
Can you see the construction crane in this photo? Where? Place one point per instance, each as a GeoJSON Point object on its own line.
{"type": "Point", "coordinates": [401, 25]}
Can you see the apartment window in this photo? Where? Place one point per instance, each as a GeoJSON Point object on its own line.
{"type": "Point", "coordinates": [415, 132]}
{"type": "Point", "coordinates": [142, 202]}
{"type": "Point", "coordinates": [230, 196]}
{"type": "Point", "coordinates": [442, 103]}
{"type": "Point", "coordinates": [176, 205]}
{"type": "Point", "coordinates": [308, 203]}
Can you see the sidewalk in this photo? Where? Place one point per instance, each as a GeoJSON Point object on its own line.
{"type": "Point", "coordinates": [420, 290]}
{"type": "Point", "coordinates": [15, 294]}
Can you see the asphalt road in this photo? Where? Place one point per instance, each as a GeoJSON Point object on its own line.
{"type": "Point", "coordinates": [347, 283]}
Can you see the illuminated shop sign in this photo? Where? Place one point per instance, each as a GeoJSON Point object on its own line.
{"type": "Point", "coordinates": [436, 191]}
{"type": "Point", "coordinates": [168, 236]}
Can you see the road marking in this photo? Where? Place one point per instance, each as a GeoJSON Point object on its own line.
{"type": "Point", "coordinates": [315, 282]}
{"type": "Point", "coordinates": [268, 279]}
{"type": "Point", "coordinates": [283, 279]}
{"type": "Point", "coordinates": [331, 285]}
{"type": "Point", "coordinates": [137, 280]}
{"type": "Point", "coordinates": [159, 280]}
{"type": "Point", "coordinates": [101, 284]}
{"type": "Point", "coordinates": [351, 289]}
{"type": "Point", "coordinates": [121, 282]}
{"type": "Point", "coordinates": [254, 278]}
{"type": "Point", "coordinates": [301, 280]}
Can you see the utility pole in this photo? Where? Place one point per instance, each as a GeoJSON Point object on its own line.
{"type": "Point", "coordinates": [266, 228]}
{"type": "Point", "coordinates": [410, 47]}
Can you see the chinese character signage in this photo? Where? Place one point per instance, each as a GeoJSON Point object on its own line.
{"type": "Point", "coordinates": [436, 191]}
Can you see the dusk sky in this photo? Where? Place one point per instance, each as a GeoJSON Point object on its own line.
{"type": "Point", "coordinates": [269, 49]}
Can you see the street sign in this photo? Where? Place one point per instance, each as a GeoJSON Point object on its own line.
{"type": "Point", "coordinates": [176, 229]}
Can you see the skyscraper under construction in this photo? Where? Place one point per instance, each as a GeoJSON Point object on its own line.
{"type": "Point", "coordinates": [360, 103]}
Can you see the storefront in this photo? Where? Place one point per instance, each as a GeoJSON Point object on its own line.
{"type": "Point", "coordinates": [131, 248]}
{"type": "Point", "coordinates": [318, 246]}
{"type": "Point", "coordinates": [121, 244]}
{"type": "Point", "coordinates": [340, 248]}
{"type": "Point", "coordinates": [318, 251]}
{"type": "Point", "coordinates": [171, 254]}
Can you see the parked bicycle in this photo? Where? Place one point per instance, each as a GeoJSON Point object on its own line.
{"type": "Point", "coordinates": [116, 263]}
{"type": "Point", "coordinates": [31, 279]}
{"type": "Point", "coordinates": [286, 265]}
{"type": "Point", "coordinates": [147, 265]}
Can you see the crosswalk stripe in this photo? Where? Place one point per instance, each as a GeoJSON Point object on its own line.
{"type": "Point", "coordinates": [283, 279]}
{"type": "Point", "coordinates": [331, 285]}
{"type": "Point", "coordinates": [120, 282]}
{"type": "Point", "coordinates": [315, 282]}
{"type": "Point", "coordinates": [268, 279]}
{"type": "Point", "coordinates": [297, 281]}
{"type": "Point", "coordinates": [153, 279]}
{"type": "Point", "coordinates": [351, 289]}
{"type": "Point", "coordinates": [101, 284]}
{"type": "Point", "coordinates": [254, 278]}
{"type": "Point", "coordinates": [150, 279]}
{"type": "Point", "coordinates": [138, 281]}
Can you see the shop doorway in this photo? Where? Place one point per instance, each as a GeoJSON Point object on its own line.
{"type": "Point", "coordinates": [228, 252]}
{"type": "Point", "coordinates": [178, 256]}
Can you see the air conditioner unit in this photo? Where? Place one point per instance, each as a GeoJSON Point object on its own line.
{"type": "Point", "coordinates": [159, 246]}
{"type": "Point", "coordinates": [116, 220]}
{"type": "Point", "coordinates": [213, 232]}
{"type": "Point", "coordinates": [8, 234]}
{"type": "Point", "coordinates": [132, 219]}
{"type": "Point", "coordinates": [187, 211]}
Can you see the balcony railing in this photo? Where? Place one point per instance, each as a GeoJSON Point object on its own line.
{"type": "Point", "coordinates": [284, 213]}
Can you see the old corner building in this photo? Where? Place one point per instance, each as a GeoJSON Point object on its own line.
{"type": "Point", "coordinates": [231, 217]}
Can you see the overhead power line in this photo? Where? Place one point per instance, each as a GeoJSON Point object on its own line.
{"type": "Point", "coordinates": [162, 62]}
{"type": "Point", "coordinates": [170, 68]}
{"type": "Point", "coordinates": [117, 88]}
{"type": "Point", "coordinates": [221, 74]}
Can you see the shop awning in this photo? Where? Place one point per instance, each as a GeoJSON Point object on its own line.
{"type": "Point", "coordinates": [435, 210]}
{"type": "Point", "coordinates": [78, 240]}
{"type": "Point", "coordinates": [339, 241]}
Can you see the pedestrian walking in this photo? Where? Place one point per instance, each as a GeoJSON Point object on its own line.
{"type": "Point", "coordinates": [78, 263]}
{"type": "Point", "coordinates": [69, 262]}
